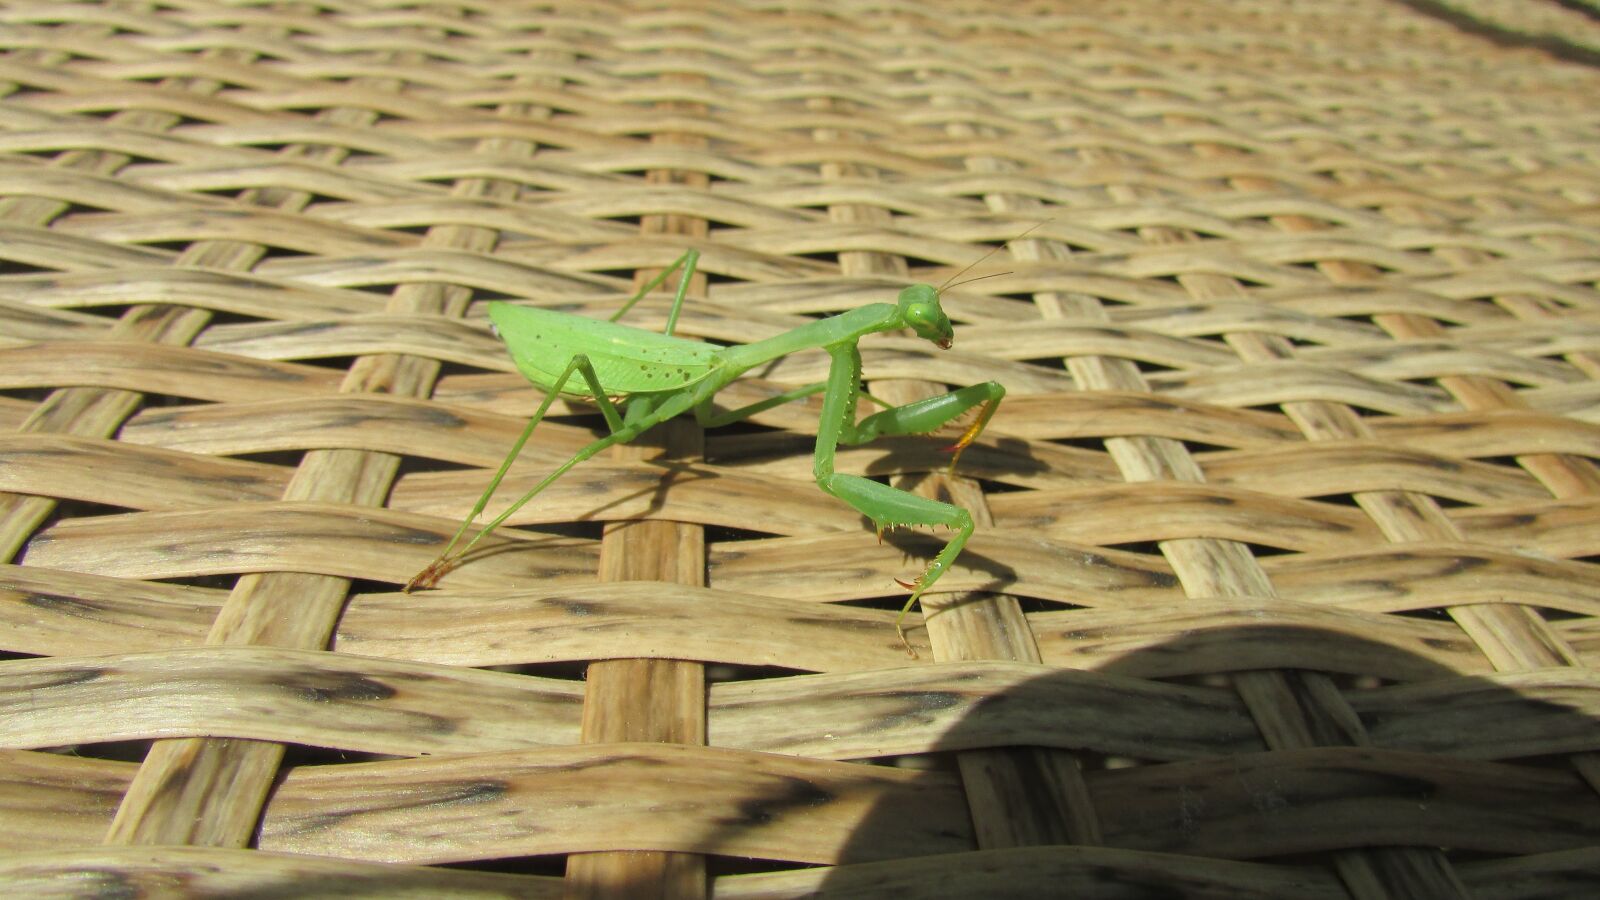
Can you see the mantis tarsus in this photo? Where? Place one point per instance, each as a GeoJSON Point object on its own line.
{"type": "Point", "coordinates": [658, 376]}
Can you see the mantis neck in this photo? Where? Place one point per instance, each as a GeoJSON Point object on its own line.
{"type": "Point", "coordinates": [847, 327]}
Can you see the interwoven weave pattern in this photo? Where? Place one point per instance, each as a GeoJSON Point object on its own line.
{"type": "Point", "coordinates": [1286, 579]}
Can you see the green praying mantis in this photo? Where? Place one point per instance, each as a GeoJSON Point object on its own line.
{"type": "Point", "coordinates": [655, 377]}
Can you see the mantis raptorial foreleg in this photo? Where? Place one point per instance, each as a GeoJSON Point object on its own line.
{"type": "Point", "coordinates": [924, 416]}
{"type": "Point", "coordinates": [889, 506]}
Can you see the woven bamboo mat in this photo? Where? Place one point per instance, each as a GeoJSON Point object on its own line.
{"type": "Point", "coordinates": [1286, 580]}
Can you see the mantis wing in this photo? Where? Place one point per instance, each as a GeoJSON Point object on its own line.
{"type": "Point", "coordinates": [627, 360]}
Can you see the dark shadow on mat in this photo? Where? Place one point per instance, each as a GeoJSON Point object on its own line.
{"type": "Point", "coordinates": [1189, 801]}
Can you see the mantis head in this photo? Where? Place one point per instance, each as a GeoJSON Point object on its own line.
{"type": "Point", "coordinates": [919, 307]}
{"type": "Point", "coordinates": [919, 304]}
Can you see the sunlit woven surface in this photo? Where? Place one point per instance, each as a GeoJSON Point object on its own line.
{"type": "Point", "coordinates": [1286, 582]}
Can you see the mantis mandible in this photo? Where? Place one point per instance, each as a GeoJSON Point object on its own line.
{"type": "Point", "coordinates": [658, 376]}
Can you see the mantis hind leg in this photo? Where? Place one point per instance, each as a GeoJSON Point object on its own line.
{"type": "Point", "coordinates": [888, 507]}
{"type": "Point", "coordinates": [620, 432]}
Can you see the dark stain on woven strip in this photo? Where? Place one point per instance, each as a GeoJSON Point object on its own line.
{"type": "Point", "coordinates": [331, 687]}
{"type": "Point", "coordinates": [418, 797]}
{"type": "Point", "coordinates": [405, 535]}
{"type": "Point", "coordinates": [797, 793]}
{"type": "Point", "coordinates": [106, 883]}
{"type": "Point", "coordinates": [443, 418]}
{"type": "Point", "coordinates": [65, 678]}
{"type": "Point", "coordinates": [1442, 644]}
{"type": "Point", "coordinates": [1147, 577]}
{"type": "Point", "coordinates": [354, 414]}
{"type": "Point", "coordinates": [243, 482]}
{"type": "Point", "coordinates": [26, 452]}
{"type": "Point", "coordinates": [575, 607]}
{"type": "Point", "coordinates": [1427, 460]}
{"type": "Point", "coordinates": [471, 792]}
{"type": "Point", "coordinates": [919, 705]}
{"type": "Point", "coordinates": [1462, 564]}
{"type": "Point", "coordinates": [305, 328]}
{"type": "Point", "coordinates": [194, 362]}
{"type": "Point", "coordinates": [60, 603]}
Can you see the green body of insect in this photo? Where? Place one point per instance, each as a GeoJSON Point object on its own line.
{"type": "Point", "coordinates": [659, 376]}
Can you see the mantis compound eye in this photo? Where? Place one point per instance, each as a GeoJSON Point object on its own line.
{"type": "Point", "coordinates": [929, 322]}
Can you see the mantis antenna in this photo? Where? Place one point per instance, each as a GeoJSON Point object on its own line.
{"type": "Point", "coordinates": [992, 251]}
{"type": "Point", "coordinates": [948, 286]}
